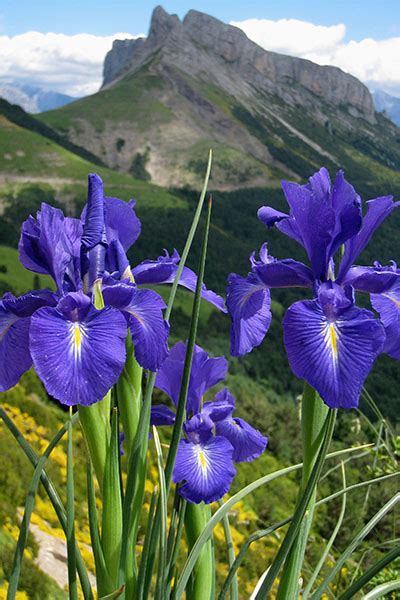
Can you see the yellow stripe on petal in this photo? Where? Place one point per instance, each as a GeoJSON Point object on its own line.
{"type": "Point", "coordinates": [76, 340]}
{"type": "Point", "coordinates": [77, 337]}
{"type": "Point", "coordinates": [333, 340]}
{"type": "Point", "coordinates": [202, 459]}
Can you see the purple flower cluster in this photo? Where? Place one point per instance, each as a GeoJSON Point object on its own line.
{"type": "Point", "coordinates": [78, 350]}
{"type": "Point", "coordinates": [330, 342]}
{"type": "Point", "coordinates": [215, 440]}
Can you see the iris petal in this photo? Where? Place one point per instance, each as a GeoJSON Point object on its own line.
{"type": "Point", "coordinates": [388, 307]}
{"type": "Point", "coordinates": [144, 311]}
{"type": "Point", "coordinates": [78, 361]}
{"type": "Point", "coordinates": [247, 442]}
{"type": "Point", "coordinates": [248, 301]}
{"type": "Point", "coordinates": [336, 356]}
{"type": "Point", "coordinates": [207, 469]}
{"type": "Point", "coordinates": [164, 270]}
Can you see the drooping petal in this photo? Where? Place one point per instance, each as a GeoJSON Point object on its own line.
{"type": "Point", "coordinates": [207, 469]}
{"type": "Point", "coordinates": [78, 360]}
{"type": "Point", "coordinates": [285, 223]}
{"type": "Point", "coordinates": [149, 329]}
{"type": "Point", "coordinates": [285, 273]}
{"type": "Point", "coordinates": [15, 313]}
{"type": "Point", "coordinates": [247, 442]}
{"type": "Point", "coordinates": [161, 415]}
{"type": "Point", "coordinates": [333, 356]}
{"type": "Point", "coordinates": [388, 306]}
{"type": "Point", "coordinates": [372, 280]}
{"type": "Point", "coordinates": [378, 210]}
{"type": "Point", "coordinates": [248, 301]}
{"type": "Point", "coordinates": [164, 270]}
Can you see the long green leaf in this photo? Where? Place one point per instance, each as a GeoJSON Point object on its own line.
{"type": "Point", "coordinates": [53, 497]}
{"type": "Point", "coordinates": [111, 532]}
{"type": "Point", "coordinates": [103, 579]}
{"type": "Point", "coordinates": [301, 508]}
{"type": "Point", "coordinates": [353, 545]}
{"type": "Point", "coordinates": [146, 545]}
{"type": "Point", "coordinates": [258, 535]}
{"type": "Point", "coordinates": [331, 540]}
{"type": "Point", "coordinates": [231, 555]}
{"type": "Point", "coordinates": [223, 510]}
{"type": "Point", "coordinates": [29, 506]}
{"type": "Point", "coordinates": [313, 417]}
{"type": "Point", "coordinates": [181, 408]}
{"type": "Point", "coordinates": [71, 556]}
{"type": "Point", "coordinates": [370, 573]}
{"type": "Point", "coordinates": [162, 561]}
{"type": "Point", "coordinates": [382, 590]}
{"type": "Point", "coordinates": [137, 460]}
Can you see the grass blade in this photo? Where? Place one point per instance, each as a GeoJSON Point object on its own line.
{"type": "Point", "coordinates": [162, 563]}
{"type": "Point", "coordinates": [231, 556]}
{"type": "Point", "coordinates": [354, 543]}
{"type": "Point", "coordinates": [102, 576]}
{"type": "Point", "coordinates": [72, 587]}
{"type": "Point", "coordinates": [382, 590]}
{"type": "Point", "coordinates": [258, 535]}
{"type": "Point", "coordinates": [300, 509]}
{"type": "Point", "coordinates": [138, 458]}
{"type": "Point", "coordinates": [29, 506]}
{"type": "Point", "coordinates": [53, 496]}
{"type": "Point", "coordinates": [181, 408]}
{"type": "Point", "coordinates": [330, 541]}
{"type": "Point", "coordinates": [146, 545]}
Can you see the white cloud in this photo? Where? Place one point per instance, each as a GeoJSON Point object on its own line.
{"type": "Point", "coordinates": [71, 64]}
{"type": "Point", "coordinates": [375, 62]}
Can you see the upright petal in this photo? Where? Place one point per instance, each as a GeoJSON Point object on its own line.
{"type": "Point", "coordinates": [78, 360]}
{"type": "Point", "coordinates": [149, 329]}
{"type": "Point", "coordinates": [47, 244]}
{"type": "Point", "coordinates": [205, 373]}
{"type": "Point", "coordinates": [15, 313]}
{"type": "Point", "coordinates": [346, 204]}
{"type": "Point", "coordinates": [122, 224]}
{"type": "Point", "coordinates": [248, 300]}
{"type": "Point", "coordinates": [285, 223]}
{"type": "Point", "coordinates": [164, 270]}
{"type": "Point", "coordinates": [207, 469]}
{"type": "Point", "coordinates": [377, 211]}
{"type": "Point", "coordinates": [333, 355]}
{"type": "Point", "coordinates": [93, 216]}
{"type": "Point", "coordinates": [315, 220]}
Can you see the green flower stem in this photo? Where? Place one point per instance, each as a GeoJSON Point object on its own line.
{"type": "Point", "coordinates": [95, 423]}
{"type": "Point", "coordinates": [95, 419]}
{"type": "Point", "coordinates": [129, 395]}
{"type": "Point", "coordinates": [313, 416]}
{"type": "Point", "coordinates": [201, 583]}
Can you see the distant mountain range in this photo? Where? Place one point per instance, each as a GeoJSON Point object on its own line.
{"type": "Point", "coordinates": [388, 104]}
{"type": "Point", "coordinates": [200, 83]}
{"type": "Point", "coordinates": [31, 98]}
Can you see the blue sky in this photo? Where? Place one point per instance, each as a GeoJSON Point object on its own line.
{"type": "Point", "coordinates": [363, 18]}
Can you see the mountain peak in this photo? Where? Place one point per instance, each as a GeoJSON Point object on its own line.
{"type": "Point", "coordinates": [162, 23]}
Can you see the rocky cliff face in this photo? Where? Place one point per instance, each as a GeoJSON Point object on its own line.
{"type": "Point", "coordinates": [206, 48]}
{"type": "Point", "coordinates": [197, 84]}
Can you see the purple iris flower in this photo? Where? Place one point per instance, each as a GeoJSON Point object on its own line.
{"type": "Point", "coordinates": [330, 342]}
{"type": "Point", "coordinates": [214, 439]}
{"type": "Point", "coordinates": [77, 350]}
